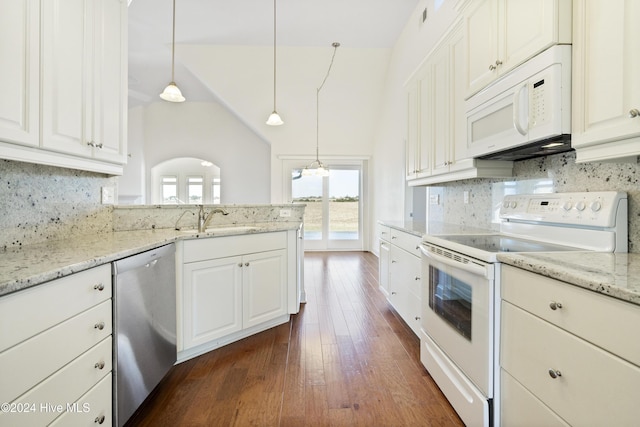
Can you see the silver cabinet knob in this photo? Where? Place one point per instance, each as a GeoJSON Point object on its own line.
{"type": "Point", "coordinates": [99, 287]}
{"type": "Point", "coordinates": [99, 420]}
{"type": "Point", "coordinates": [633, 113]}
{"type": "Point", "coordinates": [239, 264]}
{"type": "Point", "coordinates": [416, 278]}
{"type": "Point", "coordinates": [417, 317]}
{"type": "Point", "coordinates": [394, 293]}
{"type": "Point", "coordinates": [99, 365]}
{"type": "Point", "coordinates": [555, 305]}
{"type": "Point", "coordinates": [99, 145]}
{"type": "Point", "coordinates": [91, 144]}
{"type": "Point", "coordinates": [246, 264]}
{"type": "Point", "coordinates": [498, 62]}
{"type": "Point", "coordinates": [554, 373]}
{"type": "Point", "coordinates": [492, 67]}
{"type": "Point", "coordinates": [99, 326]}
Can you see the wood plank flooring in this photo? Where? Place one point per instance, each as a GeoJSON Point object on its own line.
{"type": "Point", "coordinates": [345, 360]}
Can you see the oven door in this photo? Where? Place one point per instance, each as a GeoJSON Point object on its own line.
{"type": "Point", "coordinates": [457, 311]}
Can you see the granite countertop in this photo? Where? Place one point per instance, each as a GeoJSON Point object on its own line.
{"type": "Point", "coordinates": [616, 275]}
{"type": "Point", "coordinates": [30, 265]}
{"type": "Point", "coordinates": [613, 274]}
{"type": "Point", "coordinates": [420, 228]}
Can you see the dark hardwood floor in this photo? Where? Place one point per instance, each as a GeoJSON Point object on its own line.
{"type": "Point", "coordinates": [345, 360]}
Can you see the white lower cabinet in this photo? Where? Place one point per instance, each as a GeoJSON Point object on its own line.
{"type": "Point", "coordinates": [60, 350]}
{"type": "Point", "coordinates": [568, 356]}
{"type": "Point", "coordinates": [232, 287]}
{"type": "Point", "coordinates": [399, 273]}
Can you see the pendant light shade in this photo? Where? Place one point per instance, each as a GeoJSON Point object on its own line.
{"type": "Point", "coordinates": [316, 167]}
{"type": "Point", "coordinates": [171, 93]}
{"type": "Point", "coordinates": [274, 119]}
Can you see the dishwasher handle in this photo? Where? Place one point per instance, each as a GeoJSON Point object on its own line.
{"type": "Point", "coordinates": [471, 266]}
{"type": "Point", "coordinates": [145, 259]}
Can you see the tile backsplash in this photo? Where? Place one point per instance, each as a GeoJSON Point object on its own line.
{"type": "Point", "coordinates": [557, 173]}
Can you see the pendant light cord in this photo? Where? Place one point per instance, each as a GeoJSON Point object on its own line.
{"type": "Point", "coordinates": [335, 49]}
{"type": "Point", "coordinates": [173, 42]}
{"type": "Point", "coordinates": [274, 55]}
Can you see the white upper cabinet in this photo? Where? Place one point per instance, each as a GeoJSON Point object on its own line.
{"type": "Point", "coordinates": [436, 151]}
{"type": "Point", "coordinates": [606, 80]}
{"type": "Point", "coordinates": [500, 35]}
{"type": "Point", "coordinates": [20, 71]}
{"type": "Point", "coordinates": [82, 78]}
{"type": "Point", "coordinates": [64, 64]}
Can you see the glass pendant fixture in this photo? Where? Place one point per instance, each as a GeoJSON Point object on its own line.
{"type": "Point", "coordinates": [274, 119]}
{"type": "Point", "coordinates": [172, 93]}
{"type": "Point", "coordinates": [316, 167]}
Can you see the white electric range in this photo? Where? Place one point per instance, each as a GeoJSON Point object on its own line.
{"type": "Point", "coordinates": [461, 284]}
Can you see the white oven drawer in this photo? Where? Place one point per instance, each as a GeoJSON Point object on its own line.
{"type": "Point", "coordinates": [604, 321]}
{"type": "Point", "coordinates": [591, 386]}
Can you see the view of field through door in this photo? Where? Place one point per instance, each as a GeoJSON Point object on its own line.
{"type": "Point", "coordinates": [333, 216]}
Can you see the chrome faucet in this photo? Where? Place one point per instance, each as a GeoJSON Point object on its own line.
{"type": "Point", "coordinates": [203, 218]}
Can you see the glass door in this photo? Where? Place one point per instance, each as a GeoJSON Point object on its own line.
{"type": "Point", "coordinates": [333, 216]}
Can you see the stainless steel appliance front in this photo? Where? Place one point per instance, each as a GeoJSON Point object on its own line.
{"type": "Point", "coordinates": [144, 326]}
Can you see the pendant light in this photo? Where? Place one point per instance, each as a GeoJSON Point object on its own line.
{"type": "Point", "coordinates": [316, 167]}
{"type": "Point", "coordinates": [171, 93]}
{"type": "Point", "coordinates": [274, 119]}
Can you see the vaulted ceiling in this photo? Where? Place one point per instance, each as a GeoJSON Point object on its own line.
{"type": "Point", "coordinates": [300, 23]}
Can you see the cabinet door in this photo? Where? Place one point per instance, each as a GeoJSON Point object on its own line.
{"type": "Point", "coordinates": [212, 298]}
{"type": "Point", "coordinates": [264, 284]}
{"type": "Point", "coordinates": [383, 268]}
{"type": "Point", "coordinates": [606, 66]}
{"type": "Point", "coordinates": [527, 28]}
{"type": "Point", "coordinates": [109, 84]}
{"type": "Point", "coordinates": [66, 73]}
{"type": "Point", "coordinates": [440, 111]}
{"type": "Point", "coordinates": [20, 71]}
{"type": "Point", "coordinates": [411, 139]}
{"type": "Point", "coordinates": [481, 32]}
{"type": "Point", "coordinates": [404, 283]}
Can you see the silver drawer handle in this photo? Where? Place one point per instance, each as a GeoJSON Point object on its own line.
{"type": "Point", "coordinates": [99, 326]}
{"type": "Point", "coordinates": [554, 374]}
{"type": "Point", "coordinates": [99, 287]}
{"type": "Point", "coordinates": [99, 419]}
{"type": "Point", "coordinates": [99, 365]}
{"type": "Point", "coordinates": [555, 305]}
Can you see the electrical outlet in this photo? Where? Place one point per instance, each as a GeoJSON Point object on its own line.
{"type": "Point", "coordinates": [434, 199]}
{"type": "Point", "coordinates": [466, 197]}
{"type": "Point", "coordinates": [108, 195]}
{"type": "Point", "coordinates": [285, 213]}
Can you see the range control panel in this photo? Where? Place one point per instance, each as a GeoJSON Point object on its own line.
{"type": "Point", "coordinates": [597, 209]}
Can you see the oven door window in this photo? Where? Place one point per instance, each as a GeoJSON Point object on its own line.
{"type": "Point", "coordinates": [451, 299]}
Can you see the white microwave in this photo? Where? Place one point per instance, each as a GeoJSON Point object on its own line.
{"type": "Point", "coordinates": [526, 113]}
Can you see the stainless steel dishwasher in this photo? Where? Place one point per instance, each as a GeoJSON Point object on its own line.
{"type": "Point", "coordinates": [144, 326]}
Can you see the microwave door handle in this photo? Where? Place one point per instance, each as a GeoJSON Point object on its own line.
{"type": "Point", "coordinates": [517, 96]}
{"type": "Point", "coordinates": [471, 268]}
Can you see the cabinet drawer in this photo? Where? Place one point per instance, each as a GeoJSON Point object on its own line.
{"type": "Point", "coordinates": [41, 307]}
{"type": "Point", "coordinates": [27, 364]}
{"type": "Point", "coordinates": [219, 247]}
{"type": "Point", "coordinates": [595, 387]}
{"type": "Point", "coordinates": [384, 232]}
{"type": "Point", "coordinates": [62, 388]}
{"type": "Point", "coordinates": [517, 400]}
{"type": "Point", "coordinates": [601, 320]}
{"type": "Point", "coordinates": [93, 408]}
{"type": "Point", "coordinates": [406, 241]}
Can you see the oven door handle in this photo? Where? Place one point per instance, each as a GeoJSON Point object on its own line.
{"type": "Point", "coordinates": [473, 268]}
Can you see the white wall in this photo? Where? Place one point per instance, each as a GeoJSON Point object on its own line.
{"type": "Point", "coordinates": [206, 131]}
{"type": "Point", "coordinates": [412, 47]}
{"type": "Point", "coordinates": [242, 78]}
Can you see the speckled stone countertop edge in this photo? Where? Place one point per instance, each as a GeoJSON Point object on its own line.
{"type": "Point", "coordinates": [420, 228]}
{"type": "Point", "coordinates": [31, 265]}
{"type": "Point", "coordinates": [615, 275]}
